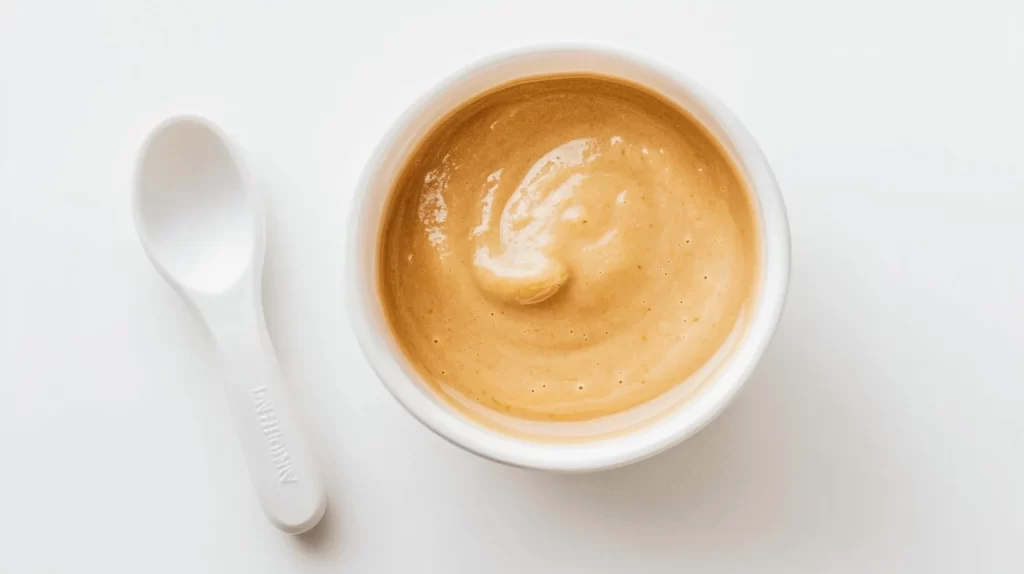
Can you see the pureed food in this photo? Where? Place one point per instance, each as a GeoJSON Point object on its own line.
{"type": "Point", "coordinates": [564, 248]}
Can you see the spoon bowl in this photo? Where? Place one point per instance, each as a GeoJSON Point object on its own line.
{"type": "Point", "coordinates": [193, 209]}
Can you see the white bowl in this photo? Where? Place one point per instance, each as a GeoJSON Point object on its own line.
{"type": "Point", "coordinates": [719, 385]}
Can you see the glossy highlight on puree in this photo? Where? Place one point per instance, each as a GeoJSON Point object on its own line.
{"type": "Point", "coordinates": [564, 248]}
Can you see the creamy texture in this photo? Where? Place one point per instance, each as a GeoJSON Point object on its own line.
{"type": "Point", "coordinates": [566, 248]}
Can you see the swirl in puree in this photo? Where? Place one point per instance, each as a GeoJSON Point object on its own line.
{"type": "Point", "coordinates": [565, 248]}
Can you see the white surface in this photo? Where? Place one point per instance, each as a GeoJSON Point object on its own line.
{"type": "Point", "coordinates": [629, 436]}
{"type": "Point", "coordinates": [202, 223]}
{"type": "Point", "coordinates": [882, 433]}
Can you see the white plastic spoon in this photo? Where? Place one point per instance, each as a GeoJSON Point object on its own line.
{"type": "Point", "coordinates": [202, 226]}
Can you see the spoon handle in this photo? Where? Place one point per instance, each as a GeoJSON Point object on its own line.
{"type": "Point", "coordinates": [281, 464]}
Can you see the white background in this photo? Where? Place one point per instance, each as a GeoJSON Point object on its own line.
{"type": "Point", "coordinates": [883, 432]}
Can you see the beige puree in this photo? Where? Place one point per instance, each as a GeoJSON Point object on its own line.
{"type": "Point", "coordinates": [565, 248]}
